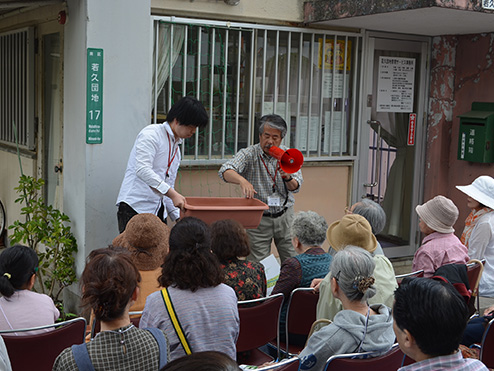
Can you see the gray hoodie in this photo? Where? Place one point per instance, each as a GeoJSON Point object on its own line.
{"type": "Point", "coordinates": [345, 334]}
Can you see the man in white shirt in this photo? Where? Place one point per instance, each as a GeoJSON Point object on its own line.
{"type": "Point", "coordinates": [148, 185]}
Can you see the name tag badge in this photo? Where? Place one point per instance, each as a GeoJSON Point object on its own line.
{"type": "Point", "coordinates": [274, 201]}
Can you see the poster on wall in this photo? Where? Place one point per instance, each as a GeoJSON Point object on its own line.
{"type": "Point", "coordinates": [94, 96]}
{"type": "Point", "coordinates": [395, 84]}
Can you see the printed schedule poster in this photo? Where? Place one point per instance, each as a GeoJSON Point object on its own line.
{"type": "Point", "coordinates": [395, 84]}
{"type": "Point", "coordinates": [94, 98]}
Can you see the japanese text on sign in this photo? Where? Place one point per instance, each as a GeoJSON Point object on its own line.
{"type": "Point", "coordinates": [412, 124]}
{"type": "Point", "coordinates": [488, 4]}
{"type": "Point", "coordinates": [94, 96]}
{"type": "Point", "coordinates": [395, 84]}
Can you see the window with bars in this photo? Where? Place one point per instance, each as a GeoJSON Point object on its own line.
{"type": "Point", "coordinates": [17, 88]}
{"type": "Point", "coordinates": [243, 71]}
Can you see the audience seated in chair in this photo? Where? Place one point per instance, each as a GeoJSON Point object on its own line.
{"type": "Point", "coordinates": [110, 285]}
{"type": "Point", "coordinates": [355, 230]}
{"type": "Point", "coordinates": [205, 307]}
{"type": "Point", "coordinates": [374, 214]}
{"type": "Point", "coordinates": [308, 234]}
{"type": "Point", "coordinates": [440, 246]}
{"type": "Point", "coordinates": [358, 327]}
{"type": "Point", "coordinates": [429, 319]}
{"type": "Point", "coordinates": [21, 307]}
{"type": "Point", "coordinates": [203, 361]}
{"type": "Point", "coordinates": [230, 243]}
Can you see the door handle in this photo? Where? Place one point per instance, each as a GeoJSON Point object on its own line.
{"type": "Point", "coordinates": [59, 167]}
{"type": "Point", "coordinates": [378, 154]}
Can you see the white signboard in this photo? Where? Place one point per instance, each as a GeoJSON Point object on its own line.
{"type": "Point", "coordinates": [272, 271]}
{"type": "Point", "coordinates": [488, 4]}
{"type": "Point", "coordinates": [395, 84]}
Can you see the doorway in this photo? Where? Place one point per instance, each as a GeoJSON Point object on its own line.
{"type": "Point", "coordinates": [51, 113]}
{"type": "Point", "coordinates": [392, 141]}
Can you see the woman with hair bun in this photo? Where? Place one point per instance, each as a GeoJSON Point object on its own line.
{"type": "Point", "coordinates": [358, 327]}
{"type": "Point", "coordinates": [205, 308]}
{"type": "Point", "coordinates": [110, 285]}
{"type": "Point", "coordinates": [19, 306]}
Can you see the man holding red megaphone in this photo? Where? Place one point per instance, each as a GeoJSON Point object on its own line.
{"type": "Point", "coordinates": [271, 173]}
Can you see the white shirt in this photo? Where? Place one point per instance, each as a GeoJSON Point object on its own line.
{"type": "Point", "coordinates": [481, 246]}
{"type": "Point", "coordinates": [152, 170]}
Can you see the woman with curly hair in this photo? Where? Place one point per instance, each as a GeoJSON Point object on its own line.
{"type": "Point", "coordinates": [110, 285]}
{"type": "Point", "coordinates": [195, 309]}
{"type": "Point", "coordinates": [358, 327]}
{"type": "Point", "coordinates": [230, 243]}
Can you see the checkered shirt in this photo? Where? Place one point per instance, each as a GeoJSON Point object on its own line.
{"type": "Point", "coordinates": [107, 353]}
{"type": "Point", "coordinates": [248, 162]}
{"type": "Point", "coordinates": [452, 362]}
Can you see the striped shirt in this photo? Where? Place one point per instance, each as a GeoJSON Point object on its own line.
{"type": "Point", "coordinates": [262, 172]}
{"type": "Point", "coordinates": [453, 362]}
{"type": "Point", "coordinates": [208, 317]}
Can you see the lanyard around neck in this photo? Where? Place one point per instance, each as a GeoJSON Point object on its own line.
{"type": "Point", "coordinates": [273, 178]}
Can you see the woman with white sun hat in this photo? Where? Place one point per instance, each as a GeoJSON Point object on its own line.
{"type": "Point", "coordinates": [478, 235]}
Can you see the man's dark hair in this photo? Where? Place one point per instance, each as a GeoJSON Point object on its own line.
{"type": "Point", "coordinates": [190, 263]}
{"type": "Point", "coordinates": [189, 112]}
{"type": "Point", "coordinates": [433, 312]}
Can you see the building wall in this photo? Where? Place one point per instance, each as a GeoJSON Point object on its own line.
{"type": "Point", "coordinates": [272, 11]}
{"type": "Point", "coordinates": [325, 190]}
{"type": "Point", "coordinates": [462, 73]}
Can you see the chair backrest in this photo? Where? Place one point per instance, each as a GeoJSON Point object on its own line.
{"type": "Point", "coordinates": [301, 311]}
{"type": "Point", "coordinates": [259, 322]}
{"type": "Point", "coordinates": [390, 361]}
{"type": "Point", "coordinates": [288, 364]}
{"type": "Point", "coordinates": [474, 272]}
{"type": "Point", "coordinates": [419, 273]}
{"type": "Point", "coordinates": [487, 346]}
{"type": "Point", "coordinates": [38, 352]}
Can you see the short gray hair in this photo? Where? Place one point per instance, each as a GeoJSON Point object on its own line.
{"type": "Point", "coordinates": [373, 212]}
{"type": "Point", "coordinates": [353, 268]}
{"type": "Point", "coordinates": [310, 228]}
{"type": "Point", "coordinates": [275, 121]}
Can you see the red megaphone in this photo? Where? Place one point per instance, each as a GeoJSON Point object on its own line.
{"type": "Point", "coordinates": [290, 160]}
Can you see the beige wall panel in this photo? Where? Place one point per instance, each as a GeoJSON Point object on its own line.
{"type": "Point", "coordinates": [325, 189]}
{"type": "Point", "coordinates": [247, 10]}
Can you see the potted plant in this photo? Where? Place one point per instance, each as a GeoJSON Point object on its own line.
{"type": "Point", "coordinates": [47, 232]}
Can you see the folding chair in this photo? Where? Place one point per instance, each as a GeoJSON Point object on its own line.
{"type": "Point", "coordinates": [38, 352]}
{"type": "Point", "coordinates": [390, 361]}
{"type": "Point", "coordinates": [419, 273]}
{"type": "Point", "coordinates": [487, 346]}
{"type": "Point", "coordinates": [288, 364]}
{"type": "Point", "coordinates": [474, 273]}
{"type": "Point", "coordinates": [259, 324]}
{"type": "Point", "coordinates": [300, 315]}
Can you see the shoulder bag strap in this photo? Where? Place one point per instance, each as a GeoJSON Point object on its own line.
{"type": "Point", "coordinates": [162, 344]}
{"type": "Point", "coordinates": [176, 323]}
{"type": "Point", "coordinates": [81, 357]}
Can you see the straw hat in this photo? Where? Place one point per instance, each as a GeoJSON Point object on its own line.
{"type": "Point", "coordinates": [146, 237]}
{"type": "Point", "coordinates": [440, 214]}
{"type": "Point", "coordinates": [481, 190]}
{"type": "Point", "coordinates": [353, 230]}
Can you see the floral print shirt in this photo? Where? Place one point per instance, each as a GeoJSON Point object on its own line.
{"type": "Point", "coordinates": [246, 278]}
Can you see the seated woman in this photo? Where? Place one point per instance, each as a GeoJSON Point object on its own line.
{"type": "Point", "coordinates": [358, 327]}
{"type": "Point", "coordinates": [308, 235]}
{"type": "Point", "coordinates": [146, 237]}
{"type": "Point", "coordinates": [230, 243]}
{"type": "Point", "coordinates": [19, 306]}
{"type": "Point", "coordinates": [355, 230]}
{"type": "Point", "coordinates": [206, 308]}
{"type": "Point", "coordinates": [110, 285]}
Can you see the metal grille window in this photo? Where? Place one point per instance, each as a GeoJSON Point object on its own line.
{"type": "Point", "coordinates": [17, 87]}
{"type": "Point", "coordinates": [243, 71]}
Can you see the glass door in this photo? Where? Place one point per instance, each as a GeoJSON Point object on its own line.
{"type": "Point", "coordinates": [391, 152]}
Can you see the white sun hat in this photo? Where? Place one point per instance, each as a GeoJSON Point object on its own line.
{"type": "Point", "coordinates": [481, 190]}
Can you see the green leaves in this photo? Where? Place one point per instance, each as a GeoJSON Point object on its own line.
{"type": "Point", "coordinates": [47, 231]}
